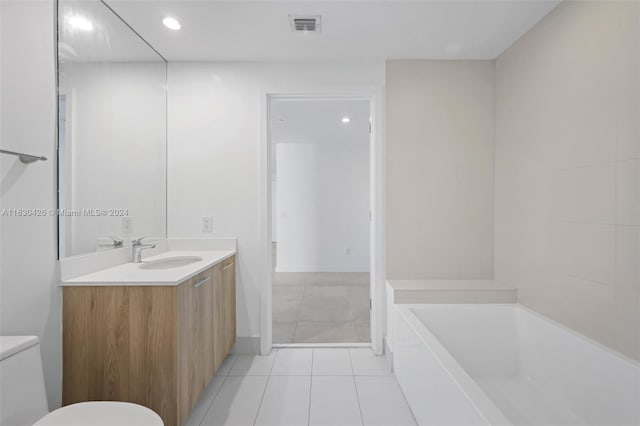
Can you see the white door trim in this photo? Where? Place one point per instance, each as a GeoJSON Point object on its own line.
{"type": "Point", "coordinates": [374, 94]}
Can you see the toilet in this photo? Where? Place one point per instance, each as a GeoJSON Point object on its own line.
{"type": "Point", "coordinates": [23, 400]}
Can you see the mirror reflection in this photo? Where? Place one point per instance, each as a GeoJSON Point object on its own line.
{"type": "Point", "coordinates": [112, 131]}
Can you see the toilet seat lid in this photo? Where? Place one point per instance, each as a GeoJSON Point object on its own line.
{"type": "Point", "coordinates": [101, 413]}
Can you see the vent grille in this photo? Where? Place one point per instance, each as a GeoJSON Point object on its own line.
{"type": "Point", "coordinates": [306, 24]}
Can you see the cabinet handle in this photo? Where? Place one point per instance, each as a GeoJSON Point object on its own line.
{"type": "Point", "coordinates": [202, 281]}
{"type": "Point", "coordinates": [228, 266]}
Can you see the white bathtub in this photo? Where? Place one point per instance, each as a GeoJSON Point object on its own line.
{"type": "Point", "coordinates": [504, 364]}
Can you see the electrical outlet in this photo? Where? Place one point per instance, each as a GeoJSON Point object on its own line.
{"type": "Point", "coordinates": [127, 225]}
{"type": "Point", "coordinates": [207, 224]}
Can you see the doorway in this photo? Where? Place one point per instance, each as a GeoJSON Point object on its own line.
{"type": "Point", "coordinates": [374, 95]}
{"type": "Point", "coordinates": [320, 201]}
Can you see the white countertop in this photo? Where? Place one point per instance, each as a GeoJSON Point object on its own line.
{"type": "Point", "coordinates": [10, 345]}
{"type": "Point", "coordinates": [131, 274]}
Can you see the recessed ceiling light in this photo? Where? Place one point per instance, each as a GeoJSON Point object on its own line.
{"type": "Point", "coordinates": [80, 23]}
{"type": "Point", "coordinates": [346, 120]}
{"type": "Point", "coordinates": [171, 23]}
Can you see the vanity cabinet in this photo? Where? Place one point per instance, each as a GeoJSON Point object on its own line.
{"type": "Point", "coordinates": [158, 346]}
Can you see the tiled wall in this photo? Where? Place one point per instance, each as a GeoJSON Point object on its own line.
{"type": "Point", "coordinates": [567, 218]}
{"type": "Point", "coordinates": [439, 169]}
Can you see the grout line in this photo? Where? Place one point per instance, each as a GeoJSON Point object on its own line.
{"type": "Point", "coordinates": [224, 380]}
{"type": "Point", "coordinates": [212, 400]}
{"type": "Point", "coordinates": [264, 391]}
{"type": "Point", "coordinates": [233, 364]}
{"type": "Point", "coordinates": [406, 401]}
{"type": "Point", "coordinates": [351, 362]}
{"type": "Point", "coordinates": [266, 385]}
{"type": "Point", "coordinates": [355, 385]}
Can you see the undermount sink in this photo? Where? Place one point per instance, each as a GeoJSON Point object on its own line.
{"type": "Point", "coordinates": [170, 262]}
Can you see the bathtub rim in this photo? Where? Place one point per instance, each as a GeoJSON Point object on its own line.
{"type": "Point", "coordinates": [485, 407]}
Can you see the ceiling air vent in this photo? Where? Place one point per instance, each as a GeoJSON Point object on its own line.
{"type": "Point", "coordinates": [306, 24]}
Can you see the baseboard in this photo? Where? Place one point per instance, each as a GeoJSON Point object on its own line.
{"type": "Point", "coordinates": [246, 345]}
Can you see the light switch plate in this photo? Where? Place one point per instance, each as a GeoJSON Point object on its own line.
{"type": "Point", "coordinates": [127, 225]}
{"type": "Point", "coordinates": [207, 224]}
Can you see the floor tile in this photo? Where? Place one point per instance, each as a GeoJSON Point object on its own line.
{"type": "Point", "coordinates": [226, 365]}
{"type": "Point", "coordinates": [289, 278]}
{"type": "Point", "coordinates": [324, 278]}
{"type": "Point", "coordinates": [363, 330]}
{"type": "Point", "coordinates": [284, 332]}
{"type": "Point", "coordinates": [202, 406]}
{"type": "Point", "coordinates": [366, 363]}
{"type": "Point", "coordinates": [293, 362]}
{"type": "Point", "coordinates": [326, 332]}
{"type": "Point", "coordinates": [329, 304]}
{"type": "Point", "coordinates": [288, 292]}
{"type": "Point", "coordinates": [237, 402]}
{"type": "Point", "coordinates": [358, 278]}
{"type": "Point", "coordinates": [382, 402]}
{"type": "Point", "coordinates": [331, 362]}
{"type": "Point", "coordinates": [285, 401]}
{"type": "Point", "coordinates": [334, 401]}
{"type": "Point", "coordinates": [286, 310]}
{"type": "Point", "coordinates": [359, 304]}
{"type": "Point", "coordinates": [253, 365]}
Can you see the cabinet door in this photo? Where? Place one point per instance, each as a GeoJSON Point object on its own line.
{"type": "Point", "coordinates": [229, 280]}
{"type": "Point", "coordinates": [196, 340]}
{"type": "Point", "coordinates": [219, 345]}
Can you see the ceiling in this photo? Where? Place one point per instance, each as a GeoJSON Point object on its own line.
{"type": "Point", "coordinates": [392, 29]}
{"type": "Point", "coordinates": [108, 40]}
{"type": "Point", "coordinates": [319, 120]}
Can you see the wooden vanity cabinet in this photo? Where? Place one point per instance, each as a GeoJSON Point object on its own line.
{"type": "Point", "coordinates": [158, 346]}
{"type": "Point", "coordinates": [224, 329]}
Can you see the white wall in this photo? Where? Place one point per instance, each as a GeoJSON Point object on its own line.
{"type": "Point", "coordinates": [439, 185]}
{"type": "Point", "coordinates": [115, 149]}
{"type": "Point", "coordinates": [322, 180]}
{"type": "Point", "coordinates": [30, 302]}
{"type": "Point", "coordinates": [567, 170]}
{"type": "Point", "coordinates": [214, 153]}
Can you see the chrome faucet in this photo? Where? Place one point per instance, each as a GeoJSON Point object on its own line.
{"type": "Point", "coordinates": [137, 247]}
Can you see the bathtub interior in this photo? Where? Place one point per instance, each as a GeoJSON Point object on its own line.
{"type": "Point", "coordinates": [535, 371]}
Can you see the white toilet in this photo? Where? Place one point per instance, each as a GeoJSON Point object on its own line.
{"type": "Point", "coordinates": [23, 401]}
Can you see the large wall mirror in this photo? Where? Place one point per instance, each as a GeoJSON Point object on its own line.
{"type": "Point", "coordinates": [111, 131]}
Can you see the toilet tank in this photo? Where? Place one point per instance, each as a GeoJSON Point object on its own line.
{"type": "Point", "coordinates": [22, 396]}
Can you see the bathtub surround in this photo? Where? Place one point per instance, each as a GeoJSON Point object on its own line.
{"type": "Point", "coordinates": [567, 170]}
{"type": "Point", "coordinates": [451, 291]}
{"type": "Point", "coordinates": [439, 186]}
{"type": "Point", "coordinates": [30, 300]}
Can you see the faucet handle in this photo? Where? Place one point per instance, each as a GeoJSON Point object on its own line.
{"type": "Point", "coordinates": [137, 241]}
{"type": "Point", "coordinates": [117, 242]}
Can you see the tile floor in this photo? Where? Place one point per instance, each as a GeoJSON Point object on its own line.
{"type": "Point", "coordinates": [303, 386]}
{"type": "Point", "coordinates": [321, 307]}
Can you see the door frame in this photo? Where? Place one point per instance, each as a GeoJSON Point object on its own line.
{"type": "Point", "coordinates": [373, 94]}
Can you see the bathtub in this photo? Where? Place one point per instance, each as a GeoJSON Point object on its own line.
{"type": "Point", "coordinates": [506, 365]}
